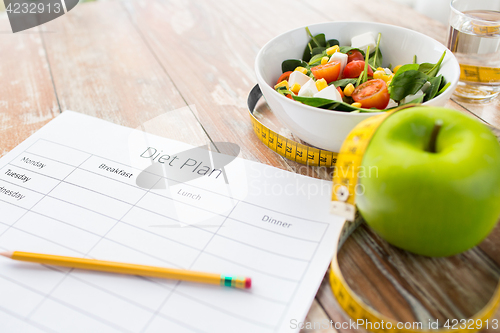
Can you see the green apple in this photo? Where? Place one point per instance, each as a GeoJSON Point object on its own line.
{"type": "Point", "coordinates": [431, 190]}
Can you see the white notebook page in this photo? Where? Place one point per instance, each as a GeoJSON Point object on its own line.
{"type": "Point", "coordinates": [85, 187]}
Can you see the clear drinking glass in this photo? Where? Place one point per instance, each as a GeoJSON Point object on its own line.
{"type": "Point", "coordinates": [474, 38]}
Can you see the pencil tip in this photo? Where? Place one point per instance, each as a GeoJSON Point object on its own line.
{"type": "Point", "coordinates": [6, 254]}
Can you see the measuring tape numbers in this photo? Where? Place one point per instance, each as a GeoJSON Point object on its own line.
{"type": "Point", "coordinates": [347, 163]}
{"type": "Point", "coordinates": [288, 148]}
{"type": "Point", "coordinates": [479, 74]}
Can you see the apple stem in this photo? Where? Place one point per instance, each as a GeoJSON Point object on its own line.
{"type": "Point", "coordinates": [435, 131]}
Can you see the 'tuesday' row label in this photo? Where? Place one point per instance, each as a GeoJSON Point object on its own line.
{"type": "Point", "coordinates": [22, 177]}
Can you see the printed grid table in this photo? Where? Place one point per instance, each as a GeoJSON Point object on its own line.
{"type": "Point", "coordinates": [71, 202]}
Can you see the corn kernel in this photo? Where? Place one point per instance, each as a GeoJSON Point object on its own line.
{"type": "Point", "coordinates": [387, 78]}
{"type": "Point", "coordinates": [356, 104]}
{"type": "Point", "coordinates": [396, 68]}
{"type": "Point", "coordinates": [348, 89]}
{"type": "Point", "coordinates": [302, 70]}
{"type": "Point", "coordinates": [321, 84]}
{"type": "Point", "coordinates": [295, 88]}
{"type": "Point", "coordinates": [324, 60]}
{"type": "Point", "coordinates": [380, 69]}
{"type": "Point", "coordinates": [332, 50]}
{"type": "Point", "coordinates": [283, 83]}
{"type": "Point", "coordinates": [379, 74]}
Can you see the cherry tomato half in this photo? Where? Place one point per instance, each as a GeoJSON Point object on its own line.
{"type": "Point", "coordinates": [329, 71]}
{"type": "Point", "coordinates": [372, 94]}
{"type": "Point", "coordinates": [354, 55]}
{"type": "Point", "coordinates": [284, 76]}
{"type": "Point", "coordinates": [354, 68]}
{"type": "Point", "coordinates": [340, 92]}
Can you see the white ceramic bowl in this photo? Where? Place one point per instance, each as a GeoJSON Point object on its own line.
{"type": "Point", "coordinates": [324, 128]}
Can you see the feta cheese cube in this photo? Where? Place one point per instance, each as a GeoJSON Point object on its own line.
{"type": "Point", "coordinates": [339, 56]}
{"type": "Point", "coordinates": [392, 103]}
{"type": "Point", "coordinates": [308, 89]}
{"type": "Point", "coordinates": [298, 77]}
{"type": "Point", "coordinates": [410, 98]}
{"type": "Point", "coordinates": [329, 92]}
{"type": "Point", "coordinates": [387, 71]}
{"type": "Point", "coordinates": [363, 41]}
{"type": "Point", "coordinates": [426, 86]}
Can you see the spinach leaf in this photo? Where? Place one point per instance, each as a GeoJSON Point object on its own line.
{"type": "Point", "coordinates": [417, 100]}
{"type": "Point", "coordinates": [331, 105]}
{"type": "Point", "coordinates": [306, 56]}
{"type": "Point", "coordinates": [331, 42]}
{"type": "Point", "coordinates": [342, 106]}
{"type": "Point", "coordinates": [363, 76]}
{"type": "Point", "coordinates": [343, 82]}
{"type": "Point", "coordinates": [434, 70]}
{"type": "Point", "coordinates": [376, 56]}
{"type": "Point", "coordinates": [371, 110]}
{"type": "Point", "coordinates": [315, 59]}
{"type": "Point", "coordinates": [367, 61]}
{"type": "Point", "coordinates": [376, 59]}
{"type": "Point", "coordinates": [406, 83]}
{"type": "Point", "coordinates": [431, 69]}
{"type": "Point", "coordinates": [291, 64]}
{"type": "Point", "coordinates": [284, 91]}
{"type": "Point", "coordinates": [360, 77]}
{"type": "Point", "coordinates": [425, 67]}
{"type": "Point", "coordinates": [345, 49]}
{"type": "Point", "coordinates": [318, 40]}
{"type": "Point", "coordinates": [431, 92]}
{"type": "Point", "coordinates": [318, 50]}
{"type": "Point", "coordinates": [444, 88]}
{"type": "Point", "coordinates": [315, 101]}
{"type": "Point", "coordinates": [404, 68]}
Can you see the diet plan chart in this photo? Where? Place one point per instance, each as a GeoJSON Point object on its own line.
{"type": "Point", "coordinates": [84, 187]}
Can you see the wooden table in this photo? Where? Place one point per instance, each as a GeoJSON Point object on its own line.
{"type": "Point", "coordinates": [188, 64]}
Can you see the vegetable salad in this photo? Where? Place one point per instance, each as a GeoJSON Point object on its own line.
{"type": "Point", "coordinates": [352, 78]}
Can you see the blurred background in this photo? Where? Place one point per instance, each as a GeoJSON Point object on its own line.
{"type": "Point", "coordinates": [436, 9]}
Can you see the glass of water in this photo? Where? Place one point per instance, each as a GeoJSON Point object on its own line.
{"type": "Point", "coordinates": [474, 38]}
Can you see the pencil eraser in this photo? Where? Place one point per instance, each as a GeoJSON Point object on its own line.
{"type": "Point", "coordinates": [248, 283]}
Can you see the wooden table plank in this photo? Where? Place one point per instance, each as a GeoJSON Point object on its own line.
{"type": "Point", "coordinates": [103, 68]}
{"type": "Point", "coordinates": [488, 112]}
{"type": "Point", "coordinates": [317, 321]}
{"type": "Point", "coordinates": [219, 71]}
{"type": "Point", "coordinates": [383, 11]}
{"type": "Point", "coordinates": [27, 100]}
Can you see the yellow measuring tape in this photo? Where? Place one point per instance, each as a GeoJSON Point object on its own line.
{"type": "Point", "coordinates": [479, 74]}
{"type": "Point", "coordinates": [481, 28]}
{"type": "Point", "coordinates": [346, 163]}
{"type": "Point", "coordinates": [285, 147]}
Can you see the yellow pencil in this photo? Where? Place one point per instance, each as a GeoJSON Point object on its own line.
{"type": "Point", "coordinates": [132, 269]}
